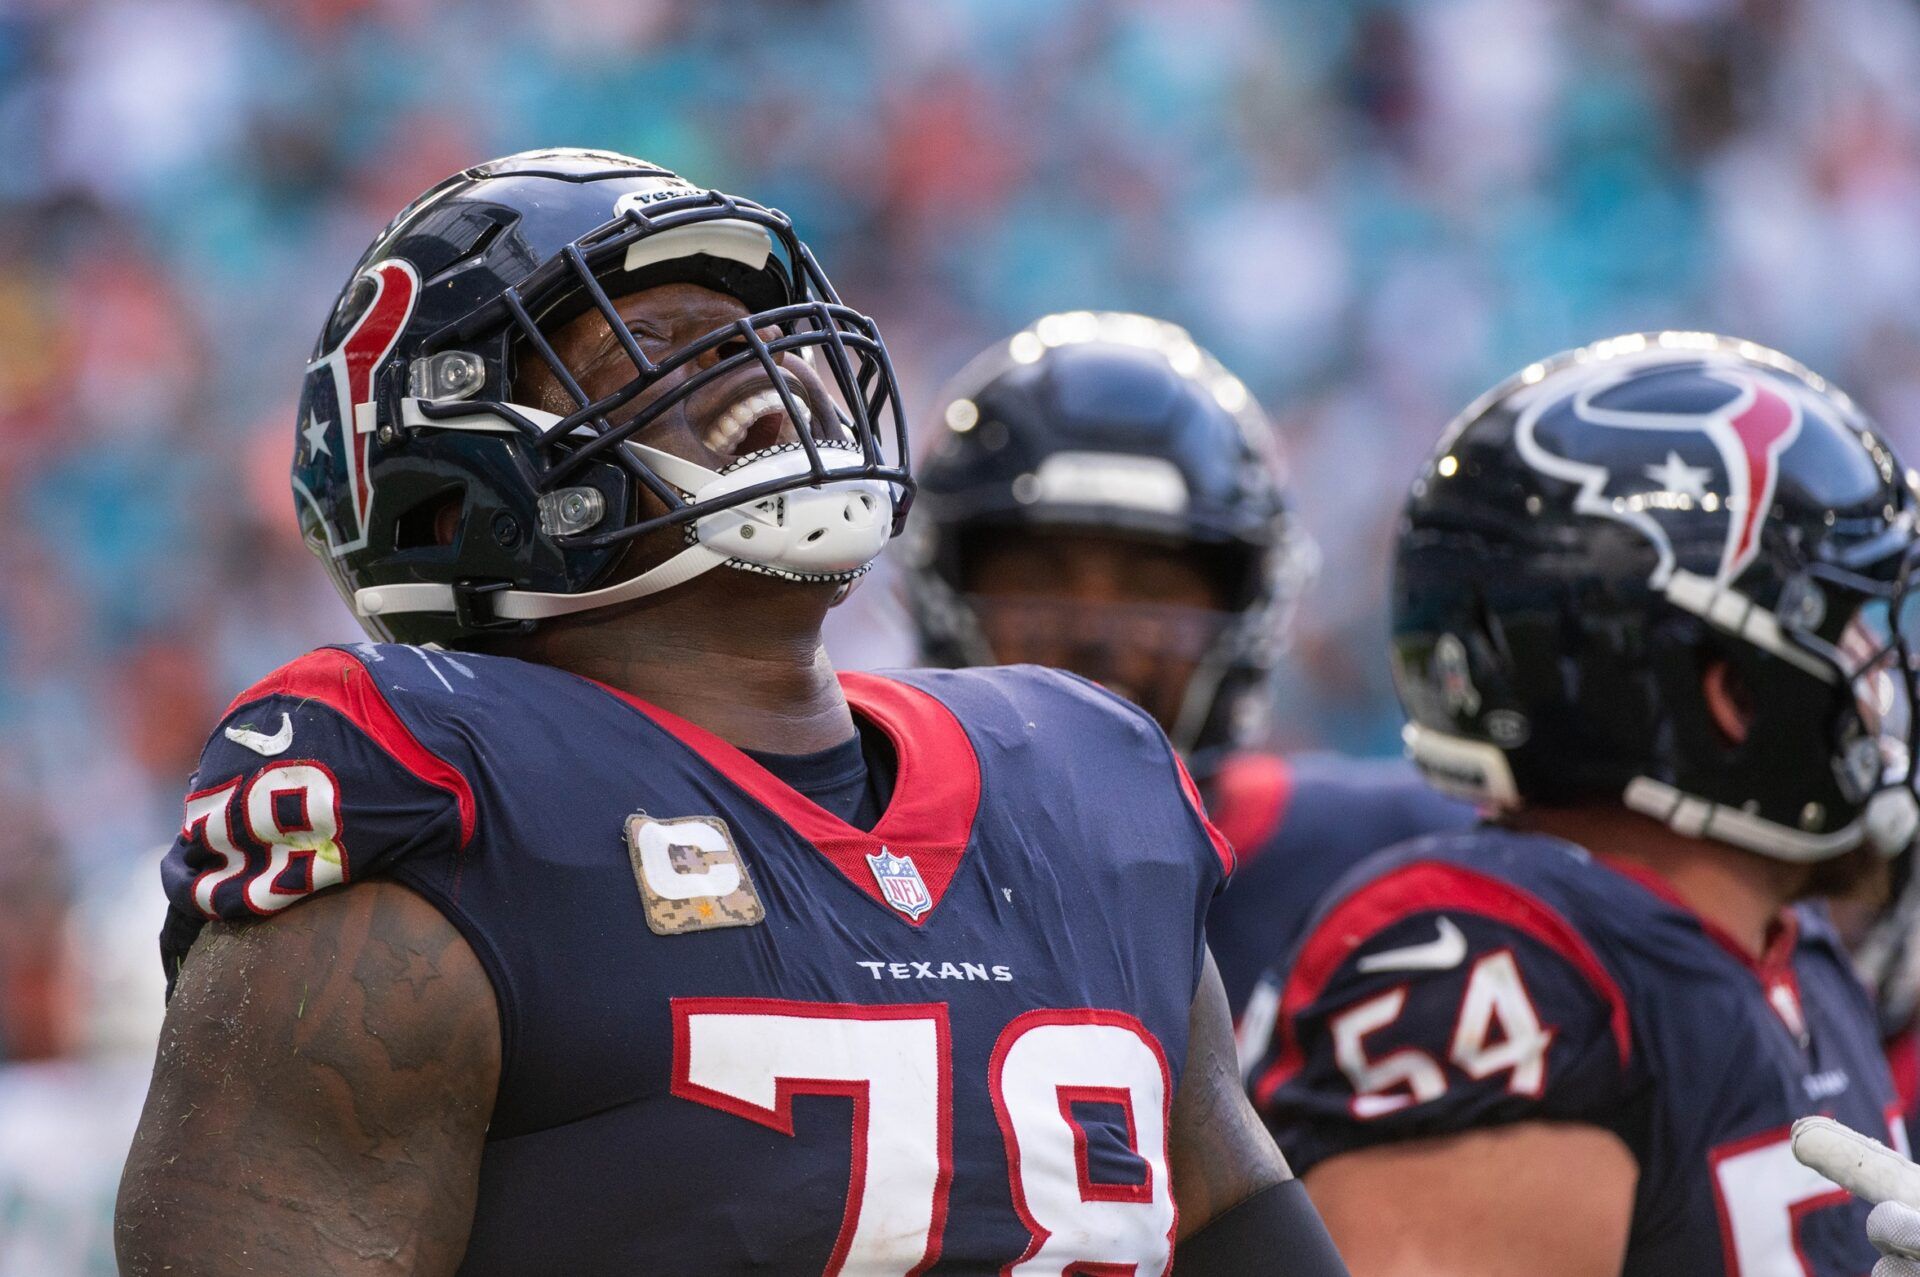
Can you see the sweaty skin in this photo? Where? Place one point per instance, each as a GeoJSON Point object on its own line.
{"type": "Point", "coordinates": [765, 686]}
{"type": "Point", "coordinates": [325, 1077]}
{"type": "Point", "coordinates": [320, 1099]}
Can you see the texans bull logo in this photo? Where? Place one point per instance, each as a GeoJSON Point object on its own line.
{"type": "Point", "coordinates": [1715, 453]}
{"type": "Point", "coordinates": [337, 417]}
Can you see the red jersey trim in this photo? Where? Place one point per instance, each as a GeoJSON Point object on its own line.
{"type": "Point", "coordinates": [859, 1090]}
{"type": "Point", "coordinates": [1783, 939]}
{"type": "Point", "coordinates": [1010, 1137]}
{"type": "Point", "coordinates": [1780, 1137]}
{"type": "Point", "coordinates": [936, 793]}
{"type": "Point", "coordinates": [1429, 886]}
{"type": "Point", "coordinates": [1251, 794]}
{"type": "Point", "coordinates": [1903, 1061]}
{"type": "Point", "coordinates": [1221, 846]}
{"type": "Point", "coordinates": [342, 683]}
{"type": "Point", "coordinates": [1773, 968]}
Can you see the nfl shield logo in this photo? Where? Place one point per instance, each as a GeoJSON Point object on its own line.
{"type": "Point", "coordinates": [901, 883]}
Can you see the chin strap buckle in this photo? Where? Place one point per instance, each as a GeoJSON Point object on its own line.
{"type": "Point", "coordinates": [473, 612]}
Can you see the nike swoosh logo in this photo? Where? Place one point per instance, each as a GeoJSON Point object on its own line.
{"type": "Point", "coordinates": [260, 742]}
{"type": "Point", "coordinates": [1442, 954]}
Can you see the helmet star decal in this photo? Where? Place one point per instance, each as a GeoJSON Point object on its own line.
{"type": "Point", "coordinates": [437, 500]}
{"type": "Point", "coordinates": [349, 370]}
{"type": "Point", "coordinates": [1719, 461]}
{"type": "Point", "coordinates": [1675, 475]}
{"type": "Point", "coordinates": [1609, 531]}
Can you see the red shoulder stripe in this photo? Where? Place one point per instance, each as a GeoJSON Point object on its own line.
{"type": "Point", "coordinates": [1221, 847]}
{"type": "Point", "coordinates": [342, 683]}
{"type": "Point", "coordinates": [1251, 793]}
{"type": "Point", "coordinates": [1428, 886]}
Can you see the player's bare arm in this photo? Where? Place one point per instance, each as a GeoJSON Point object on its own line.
{"type": "Point", "coordinates": [602, 740]}
{"type": "Point", "coordinates": [1512, 1201]}
{"type": "Point", "coordinates": [1221, 1153]}
{"type": "Point", "coordinates": [320, 1100]}
{"type": "Point", "coordinates": [1241, 1210]}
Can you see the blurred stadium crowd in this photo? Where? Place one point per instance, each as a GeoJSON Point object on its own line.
{"type": "Point", "coordinates": [1370, 209]}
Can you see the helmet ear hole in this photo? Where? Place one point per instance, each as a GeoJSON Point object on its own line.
{"type": "Point", "coordinates": [1728, 699]}
{"type": "Point", "coordinates": [432, 522]}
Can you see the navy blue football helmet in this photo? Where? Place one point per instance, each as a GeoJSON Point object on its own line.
{"type": "Point", "coordinates": [1114, 424]}
{"type": "Point", "coordinates": [1594, 533]}
{"type": "Point", "coordinates": [409, 405]}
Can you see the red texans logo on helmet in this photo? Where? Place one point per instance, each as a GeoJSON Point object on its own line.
{"type": "Point", "coordinates": [349, 422]}
{"type": "Point", "coordinates": [1639, 463]}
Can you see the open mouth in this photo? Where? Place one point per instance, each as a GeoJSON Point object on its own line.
{"type": "Point", "coordinates": [755, 421]}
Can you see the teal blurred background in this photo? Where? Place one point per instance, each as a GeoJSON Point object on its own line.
{"type": "Point", "coordinates": [1368, 210]}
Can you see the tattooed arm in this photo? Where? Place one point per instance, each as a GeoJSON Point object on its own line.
{"type": "Point", "coordinates": [320, 1099]}
{"type": "Point", "coordinates": [1220, 1150]}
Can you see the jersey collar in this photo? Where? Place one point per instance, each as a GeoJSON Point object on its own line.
{"type": "Point", "coordinates": [1773, 968]}
{"type": "Point", "coordinates": [1783, 936]}
{"type": "Point", "coordinates": [936, 792]}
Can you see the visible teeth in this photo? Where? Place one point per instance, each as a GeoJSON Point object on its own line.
{"type": "Point", "coordinates": [724, 433]}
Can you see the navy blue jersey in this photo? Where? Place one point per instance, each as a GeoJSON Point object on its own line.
{"type": "Point", "coordinates": [738, 1033]}
{"type": "Point", "coordinates": [1299, 825]}
{"type": "Point", "coordinates": [1470, 979]}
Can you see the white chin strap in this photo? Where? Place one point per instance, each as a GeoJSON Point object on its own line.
{"type": "Point", "coordinates": [1887, 824]}
{"type": "Point", "coordinates": [1478, 771]}
{"type": "Point", "coordinates": [826, 533]}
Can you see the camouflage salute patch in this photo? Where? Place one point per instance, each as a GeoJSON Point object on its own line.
{"type": "Point", "coordinates": [691, 876]}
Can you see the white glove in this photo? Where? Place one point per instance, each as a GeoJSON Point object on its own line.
{"type": "Point", "coordinates": [1874, 1173]}
{"type": "Point", "coordinates": [1894, 1229]}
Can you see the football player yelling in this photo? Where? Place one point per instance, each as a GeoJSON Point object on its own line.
{"type": "Point", "coordinates": [657, 947]}
{"type": "Point", "coordinates": [1109, 499]}
{"type": "Point", "coordinates": [1651, 600]}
